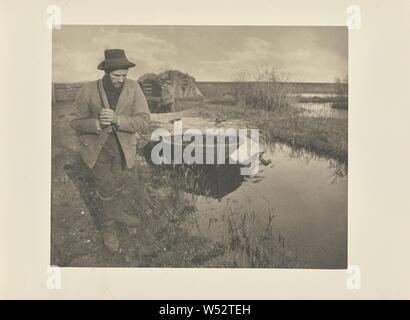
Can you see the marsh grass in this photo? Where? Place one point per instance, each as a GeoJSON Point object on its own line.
{"type": "Point", "coordinates": [250, 247]}
{"type": "Point", "coordinates": [245, 245]}
{"type": "Point", "coordinates": [263, 89]}
{"type": "Point", "coordinates": [159, 200]}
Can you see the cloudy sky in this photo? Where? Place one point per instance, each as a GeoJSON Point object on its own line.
{"type": "Point", "coordinates": [209, 53]}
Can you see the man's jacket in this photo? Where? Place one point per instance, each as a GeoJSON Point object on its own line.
{"type": "Point", "coordinates": [133, 115]}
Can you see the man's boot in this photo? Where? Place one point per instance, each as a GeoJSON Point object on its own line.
{"type": "Point", "coordinates": [110, 238]}
{"type": "Point", "coordinates": [108, 222]}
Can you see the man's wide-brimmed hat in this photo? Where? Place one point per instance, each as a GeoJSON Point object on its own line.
{"type": "Point", "coordinates": [115, 59]}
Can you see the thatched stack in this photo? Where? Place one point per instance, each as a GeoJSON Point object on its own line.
{"type": "Point", "coordinates": [184, 84]}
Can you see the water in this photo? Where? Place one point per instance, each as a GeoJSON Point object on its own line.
{"type": "Point", "coordinates": [308, 200]}
{"type": "Point", "coordinates": [312, 109]}
{"type": "Point", "coordinates": [320, 109]}
{"type": "Point", "coordinates": [307, 196]}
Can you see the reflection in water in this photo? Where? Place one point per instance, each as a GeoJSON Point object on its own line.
{"type": "Point", "coordinates": [214, 181]}
{"type": "Point", "coordinates": [307, 196]}
{"type": "Point", "coordinates": [296, 206]}
{"type": "Point", "coordinates": [210, 180]}
{"type": "Point", "coordinates": [336, 168]}
{"type": "Point", "coordinates": [319, 105]}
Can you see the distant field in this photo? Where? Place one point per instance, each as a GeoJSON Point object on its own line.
{"type": "Point", "coordinates": [67, 91]}
{"type": "Point", "coordinates": [215, 89]}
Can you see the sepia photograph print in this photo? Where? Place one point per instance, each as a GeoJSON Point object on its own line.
{"type": "Point", "coordinates": [199, 146]}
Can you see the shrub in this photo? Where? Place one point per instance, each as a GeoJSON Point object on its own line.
{"type": "Point", "coordinates": [263, 90]}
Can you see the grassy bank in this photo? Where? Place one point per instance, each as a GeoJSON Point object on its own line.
{"type": "Point", "coordinates": [324, 136]}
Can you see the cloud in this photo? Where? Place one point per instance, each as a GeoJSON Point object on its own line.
{"type": "Point", "coordinates": [299, 63]}
{"type": "Point", "coordinates": [254, 52]}
{"type": "Point", "coordinates": [72, 62]}
{"type": "Point", "coordinates": [208, 53]}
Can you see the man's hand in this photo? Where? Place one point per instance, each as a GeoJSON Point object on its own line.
{"type": "Point", "coordinates": [108, 117]}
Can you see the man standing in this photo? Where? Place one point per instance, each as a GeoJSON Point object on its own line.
{"type": "Point", "coordinates": [107, 115]}
{"type": "Point", "coordinates": [167, 102]}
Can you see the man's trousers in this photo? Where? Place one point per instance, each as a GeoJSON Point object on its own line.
{"type": "Point", "coordinates": [109, 172]}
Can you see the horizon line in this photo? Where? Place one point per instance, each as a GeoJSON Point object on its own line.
{"type": "Point", "coordinates": [209, 81]}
